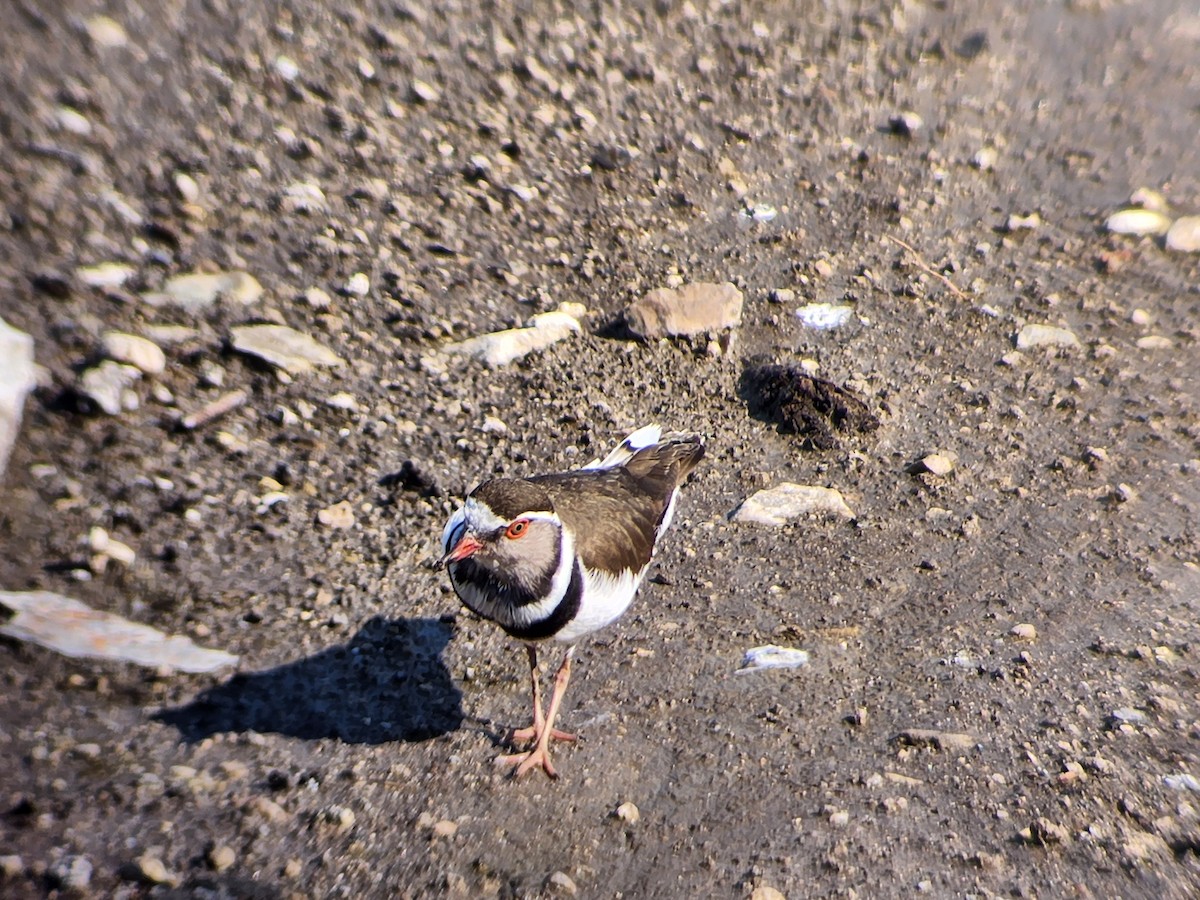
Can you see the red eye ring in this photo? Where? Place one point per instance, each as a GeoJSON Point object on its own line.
{"type": "Point", "coordinates": [517, 529]}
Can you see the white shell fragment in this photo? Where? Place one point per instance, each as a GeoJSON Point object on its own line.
{"type": "Point", "coordinates": [76, 630]}
{"type": "Point", "coordinates": [779, 505]}
{"type": "Point", "coordinates": [499, 348]}
{"type": "Point", "coordinates": [824, 315]}
{"type": "Point", "coordinates": [772, 657]}
{"type": "Point", "coordinates": [1137, 222]}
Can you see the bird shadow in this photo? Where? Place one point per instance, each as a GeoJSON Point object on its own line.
{"type": "Point", "coordinates": [388, 683]}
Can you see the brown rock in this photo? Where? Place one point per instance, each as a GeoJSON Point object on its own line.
{"type": "Point", "coordinates": [688, 310]}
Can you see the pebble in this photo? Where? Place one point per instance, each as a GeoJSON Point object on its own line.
{"type": "Point", "coordinates": [221, 857]}
{"type": "Point", "coordinates": [1140, 317]}
{"type": "Point", "coordinates": [939, 464]}
{"type": "Point", "coordinates": [75, 630]}
{"type": "Point", "coordinates": [106, 33]}
{"type": "Point", "coordinates": [199, 290]}
{"type": "Point", "coordinates": [136, 351]}
{"type": "Point", "coordinates": [688, 310]}
{"type": "Point", "coordinates": [939, 740]}
{"type": "Point", "coordinates": [317, 298]}
{"type": "Point", "coordinates": [340, 515]}
{"type": "Point", "coordinates": [290, 350]}
{"type": "Point", "coordinates": [12, 866]}
{"type": "Point", "coordinates": [445, 828]}
{"type": "Point", "coordinates": [73, 121]}
{"type": "Point", "coordinates": [1034, 335]}
{"type": "Point", "coordinates": [906, 124]}
{"type": "Point", "coordinates": [1182, 782]}
{"type": "Point", "coordinates": [1137, 222]}
{"type": "Point", "coordinates": [359, 285]}
{"type": "Point", "coordinates": [773, 657]}
{"type": "Point", "coordinates": [286, 68]}
{"type": "Point", "coordinates": [1155, 342]}
{"type": "Point", "coordinates": [1031, 222]}
{"type": "Point", "coordinates": [1184, 235]}
{"type": "Point", "coordinates": [1024, 632]}
{"type": "Point", "coordinates": [343, 400]}
{"type": "Point", "coordinates": [105, 275]}
{"type": "Point", "coordinates": [303, 197]}
{"type": "Point", "coordinates": [562, 884]}
{"type": "Point", "coordinates": [106, 385]}
{"type": "Point", "coordinates": [985, 158]}
{"type": "Point", "coordinates": [424, 92]}
{"type": "Point", "coordinates": [782, 295]}
{"type": "Point", "coordinates": [18, 377]}
{"type": "Point", "coordinates": [628, 812]}
{"type": "Point", "coordinates": [152, 870]}
{"type": "Point", "coordinates": [74, 873]}
{"type": "Point", "coordinates": [766, 892]}
{"type": "Point", "coordinates": [1129, 715]}
{"type": "Point", "coordinates": [1148, 198]}
{"type": "Point", "coordinates": [499, 348]}
{"type": "Point", "coordinates": [824, 316]}
{"type": "Point", "coordinates": [787, 501]}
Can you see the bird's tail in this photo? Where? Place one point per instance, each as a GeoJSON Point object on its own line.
{"type": "Point", "coordinates": [644, 437]}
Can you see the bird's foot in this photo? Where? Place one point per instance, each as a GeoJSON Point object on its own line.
{"type": "Point", "coordinates": [538, 757]}
{"type": "Point", "coordinates": [534, 732]}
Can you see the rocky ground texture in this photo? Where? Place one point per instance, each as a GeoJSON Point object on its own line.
{"type": "Point", "coordinates": [253, 245]}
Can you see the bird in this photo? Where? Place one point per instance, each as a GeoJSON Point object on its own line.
{"type": "Point", "coordinates": [559, 556]}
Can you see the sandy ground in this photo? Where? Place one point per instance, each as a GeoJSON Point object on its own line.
{"type": "Point", "coordinates": [481, 165]}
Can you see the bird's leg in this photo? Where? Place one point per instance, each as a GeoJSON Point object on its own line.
{"type": "Point", "coordinates": [534, 732]}
{"type": "Point", "coordinates": [540, 754]}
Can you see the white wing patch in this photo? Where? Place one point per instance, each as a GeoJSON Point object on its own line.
{"type": "Point", "coordinates": [646, 436]}
{"type": "Point", "coordinates": [605, 598]}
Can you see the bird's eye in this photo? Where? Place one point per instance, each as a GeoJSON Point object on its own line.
{"type": "Point", "coordinates": [517, 528]}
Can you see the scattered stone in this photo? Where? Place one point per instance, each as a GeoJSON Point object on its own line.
{"type": "Point", "coordinates": [303, 197]}
{"type": "Point", "coordinates": [499, 348]}
{"type": "Point", "coordinates": [71, 873]}
{"type": "Point", "coordinates": [106, 385]}
{"type": "Point", "coordinates": [136, 351]}
{"type": "Point", "coordinates": [1031, 336]}
{"type": "Point", "coordinates": [759, 212]}
{"type": "Point", "coordinates": [1137, 222]}
{"type": "Point", "coordinates": [340, 515]}
{"type": "Point", "coordinates": [105, 275]}
{"type": "Point", "coordinates": [685, 311]}
{"type": "Point", "coordinates": [445, 828]}
{"type": "Point", "coordinates": [1045, 833]}
{"type": "Point", "coordinates": [200, 290]}
{"type": "Point", "coordinates": [781, 295]}
{"type": "Point", "coordinates": [839, 818]}
{"type": "Point", "coordinates": [1154, 342]}
{"type": "Point", "coordinates": [816, 410]}
{"type": "Point", "coordinates": [906, 124]}
{"type": "Point", "coordinates": [343, 400]}
{"type": "Point", "coordinates": [151, 870]}
{"type": "Point", "coordinates": [985, 159]}
{"type": "Point", "coordinates": [424, 92]}
{"type": "Point", "coordinates": [1184, 235]}
{"type": "Point", "coordinates": [290, 350]}
{"type": "Point", "coordinates": [17, 378]}
{"type": "Point", "coordinates": [76, 630]}
{"type": "Point", "coordinates": [766, 892]}
{"type": "Point", "coordinates": [772, 657]}
{"type": "Point", "coordinates": [268, 809]}
{"type": "Point", "coordinates": [1031, 222]}
{"type": "Point", "coordinates": [221, 857]}
{"type": "Point", "coordinates": [217, 408]}
{"type": "Point", "coordinates": [1024, 632]}
{"type": "Point", "coordinates": [1182, 782]}
{"type": "Point", "coordinates": [824, 316]}
{"type": "Point", "coordinates": [492, 425]}
{"type": "Point", "coordinates": [938, 464]}
{"type": "Point", "coordinates": [12, 866]}
{"type": "Point", "coordinates": [938, 740]}
{"type": "Point", "coordinates": [72, 120]}
{"type": "Point", "coordinates": [359, 285]}
{"type": "Point", "coordinates": [106, 33]}
{"type": "Point", "coordinates": [1148, 198]}
{"type": "Point", "coordinates": [787, 501]}
{"type": "Point", "coordinates": [286, 68]}
{"type": "Point", "coordinates": [562, 884]}
{"type": "Point", "coordinates": [341, 817]}
{"type": "Point", "coordinates": [629, 813]}
{"type": "Point", "coordinates": [317, 298]}
{"type": "Point", "coordinates": [1123, 493]}
{"type": "Point", "coordinates": [1127, 715]}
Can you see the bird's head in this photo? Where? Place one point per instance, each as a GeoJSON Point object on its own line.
{"type": "Point", "coordinates": [509, 529]}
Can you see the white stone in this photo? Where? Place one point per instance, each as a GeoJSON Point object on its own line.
{"type": "Point", "coordinates": [200, 290]}
{"type": "Point", "coordinates": [787, 501]}
{"type": "Point", "coordinates": [499, 348]}
{"type": "Point", "coordinates": [359, 285]}
{"type": "Point", "coordinates": [284, 347]}
{"type": "Point", "coordinates": [106, 33]}
{"type": "Point", "coordinates": [135, 351]}
{"type": "Point", "coordinates": [1184, 235]}
{"type": "Point", "coordinates": [1137, 222]}
{"type": "Point", "coordinates": [823, 316]}
{"type": "Point", "coordinates": [1034, 335]}
{"type": "Point", "coordinates": [773, 657]}
{"type": "Point", "coordinates": [104, 275]}
{"type": "Point", "coordinates": [304, 197]}
{"type": "Point", "coordinates": [105, 385]}
{"type": "Point", "coordinates": [17, 378]}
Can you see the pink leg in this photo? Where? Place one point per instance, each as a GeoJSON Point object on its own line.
{"type": "Point", "coordinates": [540, 754]}
{"type": "Point", "coordinates": [534, 732]}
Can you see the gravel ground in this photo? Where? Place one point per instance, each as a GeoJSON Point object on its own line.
{"type": "Point", "coordinates": [1002, 696]}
